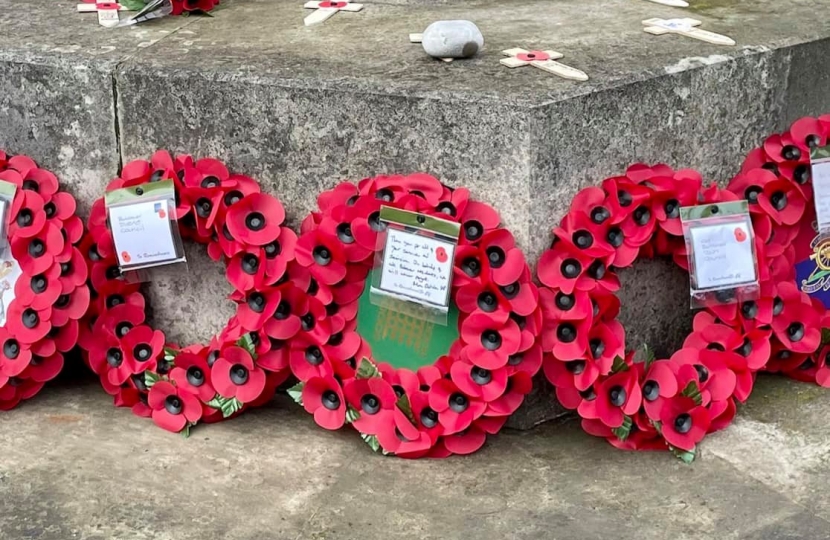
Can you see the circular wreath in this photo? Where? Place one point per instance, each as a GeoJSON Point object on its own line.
{"type": "Point", "coordinates": [633, 400]}
{"type": "Point", "coordinates": [241, 366]}
{"type": "Point", "coordinates": [441, 409]}
{"type": "Point", "coordinates": [50, 294]}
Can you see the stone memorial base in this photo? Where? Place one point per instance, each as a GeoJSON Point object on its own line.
{"type": "Point", "coordinates": [301, 108]}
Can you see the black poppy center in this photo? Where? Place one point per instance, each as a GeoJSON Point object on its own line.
{"type": "Point", "coordinates": [575, 366]}
{"type": "Point", "coordinates": [642, 215]}
{"type": "Point", "coordinates": [313, 355]}
{"type": "Point", "coordinates": [114, 300]}
{"type": "Point", "coordinates": [38, 284]}
{"type": "Point", "coordinates": [473, 230]}
{"type": "Point", "coordinates": [195, 376]}
{"type": "Point", "coordinates": [801, 174]}
{"type": "Point", "coordinates": [715, 347]}
{"type": "Point", "coordinates": [795, 331]}
{"type": "Point", "coordinates": [751, 194]}
{"type": "Point", "coordinates": [173, 405]}
{"type": "Point", "coordinates": [330, 400]}
{"type": "Point", "coordinates": [142, 352]}
{"type": "Point", "coordinates": [30, 318]}
{"type": "Point", "coordinates": [37, 248]}
{"type": "Point", "coordinates": [122, 328]}
{"type": "Point", "coordinates": [496, 256]}
{"type": "Point", "coordinates": [256, 302]}
{"type": "Point", "coordinates": [571, 268]}
{"type": "Point", "coordinates": [749, 310]}
{"type": "Point", "coordinates": [212, 357]}
{"type": "Point", "coordinates": [481, 376]}
{"type": "Point", "coordinates": [651, 390]}
{"type": "Point", "coordinates": [429, 418]}
{"type": "Point", "coordinates": [625, 198]}
{"type": "Point", "coordinates": [490, 340]}
{"type": "Point", "coordinates": [25, 218]}
{"type": "Point", "coordinates": [791, 153]}
{"type": "Point", "coordinates": [566, 333]}
{"type": "Point", "coordinates": [617, 396]}
{"type": "Point", "coordinates": [239, 374]}
{"type": "Point", "coordinates": [471, 267]}
{"type": "Point", "coordinates": [250, 264]}
{"type": "Point", "coordinates": [370, 404]}
{"type": "Point", "coordinates": [232, 198]}
{"type": "Point", "coordinates": [459, 403]}
{"type": "Point", "coordinates": [683, 423]}
{"type": "Point", "coordinates": [702, 373]}
{"type": "Point", "coordinates": [375, 223]}
{"type": "Point", "coordinates": [565, 302]}
{"type": "Point", "coordinates": [210, 182]}
{"type": "Point", "coordinates": [597, 269]}
{"type": "Point", "coordinates": [588, 395]}
{"type": "Point", "coordinates": [11, 349]}
{"type": "Point", "coordinates": [510, 291]}
{"type": "Point", "coordinates": [272, 249]}
{"type": "Point", "coordinates": [582, 239]}
{"type": "Point", "coordinates": [615, 237]}
{"type": "Point", "coordinates": [600, 214]}
{"type": "Point", "coordinates": [255, 221]}
{"type": "Point", "coordinates": [745, 349]}
{"type": "Point", "coordinates": [31, 185]}
{"type": "Point", "coordinates": [344, 233]}
{"type": "Point", "coordinates": [204, 207]}
{"type": "Point", "coordinates": [487, 302]}
{"type": "Point", "coordinates": [672, 208]}
{"type": "Point", "coordinates": [597, 347]}
{"type": "Point", "coordinates": [114, 357]}
{"type": "Point", "coordinates": [777, 306]}
{"type": "Point", "coordinates": [385, 195]}
{"type": "Point", "coordinates": [447, 208]}
{"type": "Point", "coordinates": [778, 200]}
{"type": "Point", "coordinates": [307, 321]}
{"type": "Point", "coordinates": [322, 255]}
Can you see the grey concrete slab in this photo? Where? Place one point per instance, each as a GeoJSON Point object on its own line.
{"type": "Point", "coordinates": [75, 467]}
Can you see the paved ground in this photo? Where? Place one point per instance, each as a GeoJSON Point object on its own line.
{"type": "Point", "coordinates": [73, 467]}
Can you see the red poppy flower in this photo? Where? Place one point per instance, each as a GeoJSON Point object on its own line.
{"type": "Point", "coordinates": [14, 355]}
{"type": "Point", "coordinates": [234, 374]}
{"type": "Point", "coordinates": [477, 219]}
{"type": "Point", "coordinates": [172, 407]}
{"type": "Point", "coordinates": [285, 322]}
{"type": "Point", "coordinates": [798, 324]}
{"type": "Point", "coordinates": [402, 438]}
{"type": "Point", "coordinates": [519, 385]}
{"type": "Point", "coordinates": [323, 397]}
{"type": "Point", "coordinates": [478, 382]}
{"type": "Point", "coordinates": [456, 410]}
{"type": "Point", "coordinates": [192, 374]}
{"type": "Point", "coordinates": [659, 383]}
{"type": "Point", "coordinates": [141, 345]}
{"type": "Point", "coordinates": [258, 307]}
{"type": "Point", "coordinates": [37, 253]}
{"type": "Point", "coordinates": [44, 368]}
{"type": "Point", "coordinates": [505, 261]}
{"type": "Point", "coordinates": [808, 133]}
{"type": "Point", "coordinates": [256, 219]}
{"type": "Point", "coordinates": [70, 306]}
{"type": "Point", "coordinates": [27, 216]}
{"type": "Point", "coordinates": [323, 256]}
{"type": "Point", "coordinates": [374, 399]}
{"type": "Point", "coordinates": [684, 423]}
{"type": "Point", "coordinates": [750, 185]}
{"type": "Point", "coordinates": [309, 359]}
{"type": "Point", "coordinates": [716, 380]}
{"type": "Point", "coordinates": [491, 339]}
{"type": "Point", "coordinates": [465, 442]}
{"type": "Point", "coordinates": [26, 324]}
{"type": "Point", "coordinates": [584, 234]}
{"type": "Point", "coordinates": [782, 201]}
{"type": "Point", "coordinates": [617, 396]}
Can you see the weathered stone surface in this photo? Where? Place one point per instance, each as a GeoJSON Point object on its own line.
{"type": "Point", "coordinates": [75, 467]}
{"type": "Point", "coordinates": [301, 108]}
{"type": "Point", "coordinates": [452, 39]}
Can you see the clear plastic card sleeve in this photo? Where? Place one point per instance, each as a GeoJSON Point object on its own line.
{"type": "Point", "coordinates": [413, 267]}
{"type": "Point", "coordinates": [7, 193]}
{"type": "Point", "coordinates": [820, 175]}
{"type": "Point", "coordinates": [720, 246]}
{"type": "Point", "coordinates": [144, 229]}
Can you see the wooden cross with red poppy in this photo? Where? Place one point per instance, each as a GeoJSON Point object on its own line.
{"type": "Point", "coordinates": [685, 27]}
{"type": "Point", "coordinates": [544, 60]}
{"type": "Point", "coordinates": [107, 11]}
{"type": "Point", "coordinates": [324, 10]}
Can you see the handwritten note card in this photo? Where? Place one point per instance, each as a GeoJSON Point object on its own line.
{"type": "Point", "coordinates": [142, 233]}
{"type": "Point", "coordinates": [417, 267]}
{"type": "Point", "coordinates": [723, 255]}
{"type": "Point", "coordinates": [821, 192]}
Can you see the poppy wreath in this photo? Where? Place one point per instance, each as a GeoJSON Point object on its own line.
{"type": "Point", "coordinates": [50, 295]}
{"type": "Point", "coordinates": [632, 399]}
{"type": "Point", "coordinates": [776, 180]}
{"type": "Point", "coordinates": [180, 7]}
{"type": "Point", "coordinates": [445, 408]}
{"type": "Point", "coordinates": [242, 366]}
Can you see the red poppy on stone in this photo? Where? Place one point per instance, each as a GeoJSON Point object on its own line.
{"type": "Point", "coordinates": [783, 149]}
{"type": "Point", "coordinates": [172, 407]}
{"type": "Point", "coordinates": [258, 307]}
{"type": "Point", "coordinates": [584, 234]}
{"type": "Point", "coordinates": [27, 216]}
{"type": "Point", "coordinates": [14, 356]}
{"type": "Point", "coordinates": [491, 339]}
{"type": "Point", "coordinates": [323, 397]}
{"type": "Point", "coordinates": [617, 396]}
{"type": "Point", "coordinates": [478, 382]}
{"type": "Point", "coordinates": [70, 307]}
{"type": "Point", "coordinates": [323, 256]}
{"type": "Point", "coordinates": [750, 185]}
{"type": "Point", "coordinates": [234, 374]}
{"type": "Point", "coordinates": [374, 399]}
{"type": "Point", "coordinates": [658, 383]}
{"type": "Point", "coordinates": [782, 201]}
{"type": "Point", "coordinates": [504, 260]}
{"type": "Point", "coordinates": [26, 324]}
{"type": "Point", "coordinates": [518, 386]}
{"type": "Point", "coordinates": [37, 253]}
{"type": "Point", "coordinates": [561, 268]}
{"type": "Point", "coordinates": [456, 410]}
{"type": "Point", "coordinates": [798, 324]}
{"type": "Point", "coordinates": [309, 359]}
{"type": "Point", "coordinates": [566, 339]}
{"type": "Point", "coordinates": [402, 438]}
{"type": "Point", "coordinates": [477, 219]}
{"type": "Point", "coordinates": [256, 219]}
{"type": "Point", "coordinates": [141, 345]}
{"type": "Point", "coordinates": [192, 374]}
{"type": "Point", "coordinates": [684, 423]}
{"type": "Point", "coordinates": [713, 373]}
{"type": "Point", "coordinates": [40, 291]}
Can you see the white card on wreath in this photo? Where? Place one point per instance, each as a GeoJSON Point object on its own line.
{"type": "Point", "coordinates": [820, 175]}
{"type": "Point", "coordinates": [142, 233]}
{"type": "Point", "coordinates": [417, 267]}
{"type": "Point", "coordinates": [723, 255]}
{"type": "Point", "coordinates": [9, 274]}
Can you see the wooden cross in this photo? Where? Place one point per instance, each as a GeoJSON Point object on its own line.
{"type": "Point", "coordinates": [419, 38]}
{"type": "Point", "coordinates": [543, 60]}
{"type": "Point", "coordinates": [672, 3]}
{"type": "Point", "coordinates": [324, 10]}
{"type": "Point", "coordinates": [685, 27]}
{"type": "Point", "coordinates": [107, 11]}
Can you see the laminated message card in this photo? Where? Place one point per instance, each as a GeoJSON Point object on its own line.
{"type": "Point", "coordinates": [820, 174]}
{"type": "Point", "coordinates": [720, 242]}
{"type": "Point", "coordinates": [143, 225]}
{"type": "Point", "coordinates": [414, 265]}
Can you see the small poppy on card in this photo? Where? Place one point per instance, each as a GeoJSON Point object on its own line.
{"type": "Point", "coordinates": [158, 208]}
{"type": "Point", "coordinates": [740, 235]}
{"type": "Point", "coordinates": [441, 255]}
{"type": "Point", "coordinates": [125, 256]}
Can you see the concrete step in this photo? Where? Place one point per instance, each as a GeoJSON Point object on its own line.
{"type": "Point", "coordinates": [301, 108]}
